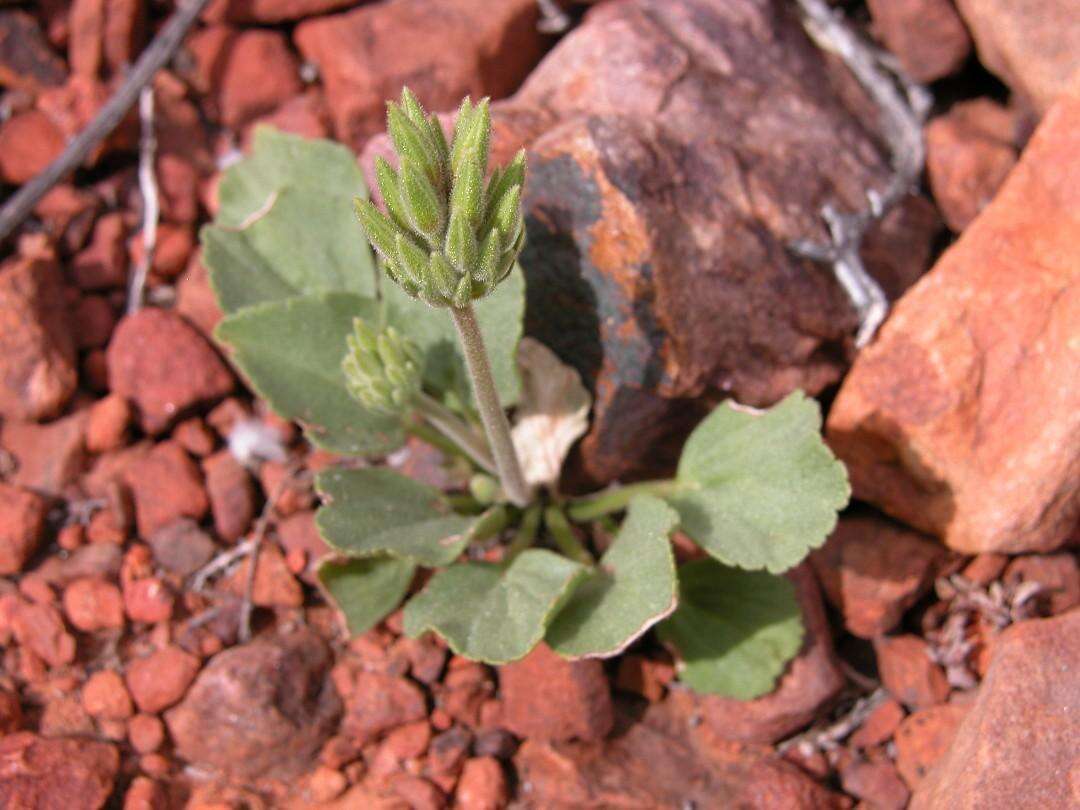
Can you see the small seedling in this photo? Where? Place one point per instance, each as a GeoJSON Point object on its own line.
{"type": "Point", "coordinates": [425, 342]}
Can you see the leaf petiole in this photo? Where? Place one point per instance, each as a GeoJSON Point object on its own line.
{"type": "Point", "coordinates": [454, 428]}
{"type": "Point", "coordinates": [525, 536]}
{"type": "Point", "coordinates": [617, 498]}
{"type": "Point", "coordinates": [565, 538]}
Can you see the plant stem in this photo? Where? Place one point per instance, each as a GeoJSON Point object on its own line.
{"type": "Point", "coordinates": [490, 523]}
{"type": "Point", "coordinates": [563, 535]}
{"type": "Point", "coordinates": [487, 403]}
{"type": "Point", "coordinates": [525, 536]}
{"type": "Point", "coordinates": [617, 498]}
{"type": "Point", "coordinates": [446, 421]}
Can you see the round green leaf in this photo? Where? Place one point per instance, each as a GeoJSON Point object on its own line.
{"type": "Point", "coordinates": [290, 352]}
{"type": "Point", "coordinates": [366, 591]}
{"type": "Point", "coordinates": [734, 631]}
{"type": "Point", "coordinates": [495, 613]}
{"type": "Point", "coordinates": [378, 511]}
{"type": "Point", "coordinates": [633, 587]}
{"type": "Point", "coordinates": [760, 490]}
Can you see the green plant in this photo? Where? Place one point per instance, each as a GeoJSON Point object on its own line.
{"type": "Point", "coordinates": [360, 365]}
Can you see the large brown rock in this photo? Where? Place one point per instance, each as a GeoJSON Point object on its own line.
{"type": "Point", "coordinates": [47, 473]}
{"type": "Point", "coordinates": [666, 760]}
{"type": "Point", "coordinates": [164, 366]}
{"type": "Point", "coordinates": [37, 351]}
{"type": "Point", "coordinates": [1032, 45]}
{"type": "Point", "coordinates": [962, 419]}
{"type": "Point", "coordinates": [22, 521]}
{"type": "Point", "coordinates": [26, 60]}
{"type": "Point", "coordinates": [698, 140]}
{"type": "Point", "coordinates": [60, 773]}
{"type": "Point", "coordinates": [263, 708]}
{"type": "Point", "coordinates": [1019, 746]}
{"type": "Point", "coordinates": [811, 682]}
{"type": "Point", "coordinates": [366, 55]}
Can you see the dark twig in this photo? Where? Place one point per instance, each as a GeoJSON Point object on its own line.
{"type": "Point", "coordinates": [22, 202]}
{"type": "Point", "coordinates": [148, 187]}
{"type": "Point", "coordinates": [904, 105]}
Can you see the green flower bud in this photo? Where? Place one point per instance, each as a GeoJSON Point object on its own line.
{"type": "Point", "coordinates": [447, 238]}
{"type": "Point", "coordinates": [383, 370]}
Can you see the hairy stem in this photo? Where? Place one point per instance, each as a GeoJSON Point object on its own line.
{"type": "Point", "coordinates": [617, 498]}
{"type": "Point", "coordinates": [450, 425]}
{"type": "Point", "coordinates": [487, 403]}
{"type": "Point", "coordinates": [563, 534]}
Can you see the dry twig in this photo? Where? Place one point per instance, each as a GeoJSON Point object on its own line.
{"type": "Point", "coordinates": [148, 187]}
{"type": "Point", "coordinates": [22, 202]}
{"type": "Point", "coordinates": [903, 116]}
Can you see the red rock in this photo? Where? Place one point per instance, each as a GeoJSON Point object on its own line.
{"type": "Point", "coordinates": [1017, 745]}
{"type": "Point", "coordinates": [419, 793]}
{"type": "Point", "coordinates": [146, 733]}
{"type": "Point", "coordinates": [923, 739]}
{"type": "Point", "coordinates": [22, 520]}
{"type": "Point", "coordinates": [105, 34]}
{"type": "Point", "coordinates": [67, 214]}
{"type": "Point", "coordinates": [811, 682]}
{"type": "Point", "coordinates": [663, 760]}
{"type": "Point", "coordinates": [182, 547]}
{"type": "Point", "coordinates": [644, 676]}
{"type": "Point", "coordinates": [195, 298]}
{"type": "Point", "coordinates": [482, 785]}
{"type": "Point", "coordinates": [74, 105]}
{"type": "Point", "coordinates": [94, 320]}
{"type": "Point", "coordinates": [174, 246]}
{"type": "Point", "coordinates": [41, 773]}
{"type": "Point", "coordinates": [29, 141]}
{"type": "Point", "coordinates": [873, 570]}
{"type": "Point", "coordinates": [269, 11]}
{"type": "Point", "coordinates": [64, 716]}
{"type": "Point", "coordinates": [262, 708]}
{"type": "Point", "coordinates": [378, 703]}
{"type": "Point", "coordinates": [879, 725]}
{"type": "Point", "coordinates": [985, 568]}
{"type": "Point", "coordinates": [306, 115]}
{"type": "Point", "coordinates": [877, 783]}
{"type": "Point", "coordinates": [37, 352]}
{"type": "Point", "coordinates": [26, 60]}
{"type": "Point", "coordinates": [232, 495]}
{"type": "Point", "coordinates": [1058, 574]}
{"type": "Point", "coordinates": [195, 437]}
{"type": "Point", "coordinates": [11, 715]}
{"type": "Point", "coordinates": [103, 264]}
{"type": "Point", "coordinates": [92, 604]}
{"type": "Point", "coordinates": [546, 697]}
{"type": "Point", "coordinates": [47, 473]}
{"type": "Point", "coordinates": [148, 600]}
{"type": "Point", "coordinates": [274, 586]}
{"type": "Point", "coordinates": [160, 679]}
{"type": "Point", "coordinates": [164, 367]}
{"type": "Point", "coordinates": [246, 72]}
{"type": "Point", "coordinates": [165, 485]}
{"type": "Point", "coordinates": [107, 426]}
{"type": "Point", "coordinates": [40, 629]}
{"type": "Point", "coordinates": [145, 794]}
{"type": "Point", "coordinates": [960, 396]}
{"type": "Point", "coordinates": [365, 56]}
{"type": "Point", "coordinates": [105, 696]}
{"type": "Point", "coordinates": [908, 673]}
{"type": "Point", "coordinates": [927, 36]}
{"type": "Point", "coordinates": [1034, 47]}
{"type": "Point", "coordinates": [969, 153]}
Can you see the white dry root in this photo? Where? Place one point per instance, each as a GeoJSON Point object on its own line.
{"type": "Point", "coordinates": [904, 105]}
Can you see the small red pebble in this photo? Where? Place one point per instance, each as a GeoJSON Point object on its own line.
{"type": "Point", "coordinates": [148, 600]}
{"type": "Point", "coordinates": [161, 679]}
{"type": "Point", "coordinates": [107, 425]}
{"type": "Point", "coordinates": [92, 604]}
{"type": "Point", "coordinates": [482, 785]}
{"type": "Point", "coordinates": [146, 733]}
{"type": "Point", "coordinates": [105, 697]}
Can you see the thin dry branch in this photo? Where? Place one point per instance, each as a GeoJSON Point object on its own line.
{"type": "Point", "coordinates": [19, 206]}
{"type": "Point", "coordinates": [904, 105]}
{"type": "Point", "coordinates": [148, 187]}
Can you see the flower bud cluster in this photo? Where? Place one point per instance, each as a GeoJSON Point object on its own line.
{"type": "Point", "coordinates": [382, 370]}
{"type": "Point", "coordinates": [447, 237]}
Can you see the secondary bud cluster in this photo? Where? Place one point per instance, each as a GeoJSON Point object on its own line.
{"type": "Point", "coordinates": [447, 237]}
{"type": "Point", "coordinates": [383, 370]}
